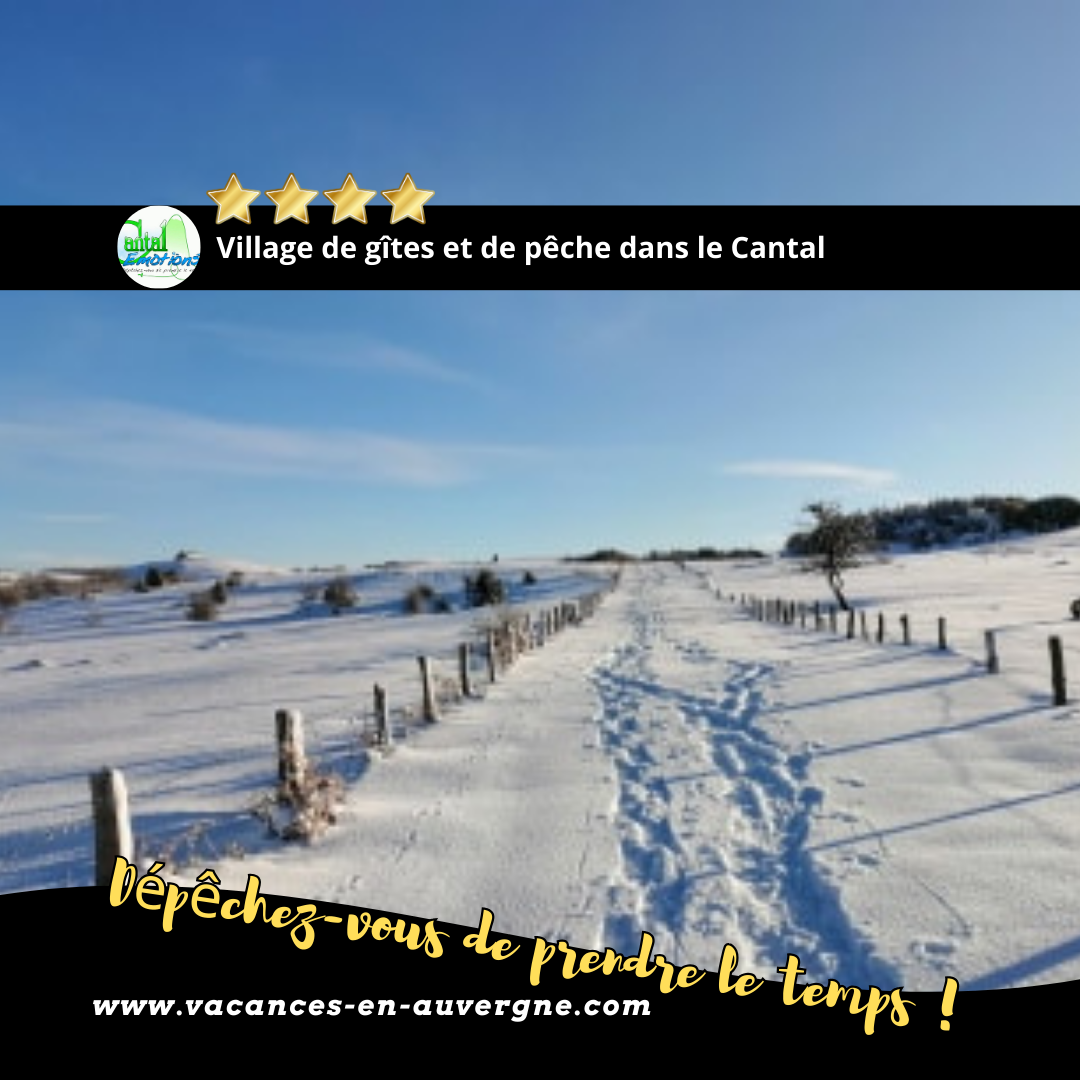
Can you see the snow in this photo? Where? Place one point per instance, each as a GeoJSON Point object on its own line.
{"type": "Point", "coordinates": [892, 814]}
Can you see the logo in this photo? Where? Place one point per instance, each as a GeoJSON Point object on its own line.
{"type": "Point", "coordinates": [158, 247]}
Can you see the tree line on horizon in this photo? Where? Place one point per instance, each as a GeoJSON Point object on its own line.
{"type": "Point", "coordinates": [945, 522]}
{"type": "Point", "coordinates": [698, 554]}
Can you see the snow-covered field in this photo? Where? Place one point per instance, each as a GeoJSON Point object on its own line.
{"type": "Point", "coordinates": [891, 813]}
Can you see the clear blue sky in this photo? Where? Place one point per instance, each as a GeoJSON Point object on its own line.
{"type": "Point", "coordinates": [351, 427]}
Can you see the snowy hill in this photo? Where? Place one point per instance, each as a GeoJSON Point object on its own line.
{"type": "Point", "coordinates": [892, 813]}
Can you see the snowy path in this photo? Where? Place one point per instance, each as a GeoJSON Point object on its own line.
{"type": "Point", "coordinates": [506, 804]}
{"type": "Point", "coordinates": [713, 815]}
{"type": "Point", "coordinates": [619, 780]}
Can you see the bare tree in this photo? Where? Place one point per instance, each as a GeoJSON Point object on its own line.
{"type": "Point", "coordinates": [834, 543]}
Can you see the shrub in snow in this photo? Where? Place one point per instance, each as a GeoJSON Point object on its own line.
{"type": "Point", "coordinates": [420, 598]}
{"type": "Point", "coordinates": [340, 594]}
{"type": "Point", "coordinates": [202, 607]}
{"type": "Point", "coordinates": [304, 808]}
{"type": "Point", "coordinates": [484, 589]}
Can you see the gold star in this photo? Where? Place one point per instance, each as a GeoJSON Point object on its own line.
{"type": "Point", "coordinates": [408, 201]}
{"type": "Point", "coordinates": [233, 201]}
{"type": "Point", "coordinates": [349, 201]}
{"type": "Point", "coordinates": [291, 201]}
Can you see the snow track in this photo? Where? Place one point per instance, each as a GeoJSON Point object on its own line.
{"type": "Point", "coordinates": [712, 814]}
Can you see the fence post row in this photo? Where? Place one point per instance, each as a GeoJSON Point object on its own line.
{"type": "Point", "coordinates": [113, 836]}
{"type": "Point", "coordinates": [782, 611]}
{"type": "Point", "coordinates": [112, 822]}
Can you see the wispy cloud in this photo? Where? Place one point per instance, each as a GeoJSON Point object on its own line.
{"type": "Point", "coordinates": [347, 352]}
{"type": "Point", "coordinates": [68, 518]}
{"type": "Point", "coordinates": [134, 437]}
{"type": "Point", "coordinates": [814, 470]}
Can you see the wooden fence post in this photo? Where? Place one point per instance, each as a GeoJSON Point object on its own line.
{"type": "Point", "coordinates": [832, 618]}
{"type": "Point", "coordinates": [112, 823]}
{"type": "Point", "coordinates": [942, 635]}
{"type": "Point", "coordinates": [850, 624]}
{"type": "Point", "coordinates": [493, 660]}
{"type": "Point", "coordinates": [992, 665]}
{"type": "Point", "coordinates": [431, 713]}
{"type": "Point", "coordinates": [880, 626]}
{"type": "Point", "coordinates": [290, 742]}
{"type": "Point", "coordinates": [382, 718]}
{"type": "Point", "coordinates": [1057, 671]}
{"type": "Point", "coordinates": [463, 665]}
{"type": "Point", "coordinates": [905, 625]}
{"type": "Point", "coordinates": [862, 626]}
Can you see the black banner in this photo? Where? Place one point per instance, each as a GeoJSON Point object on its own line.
{"type": "Point", "coordinates": [88, 967]}
{"type": "Point", "coordinates": [582, 247]}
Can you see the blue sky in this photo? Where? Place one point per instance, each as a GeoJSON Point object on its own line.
{"type": "Point", "coordinates": [301, 428]}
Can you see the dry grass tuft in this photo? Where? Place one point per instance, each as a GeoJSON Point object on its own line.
{"type": "Point", "coordinates": [304, 808]}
